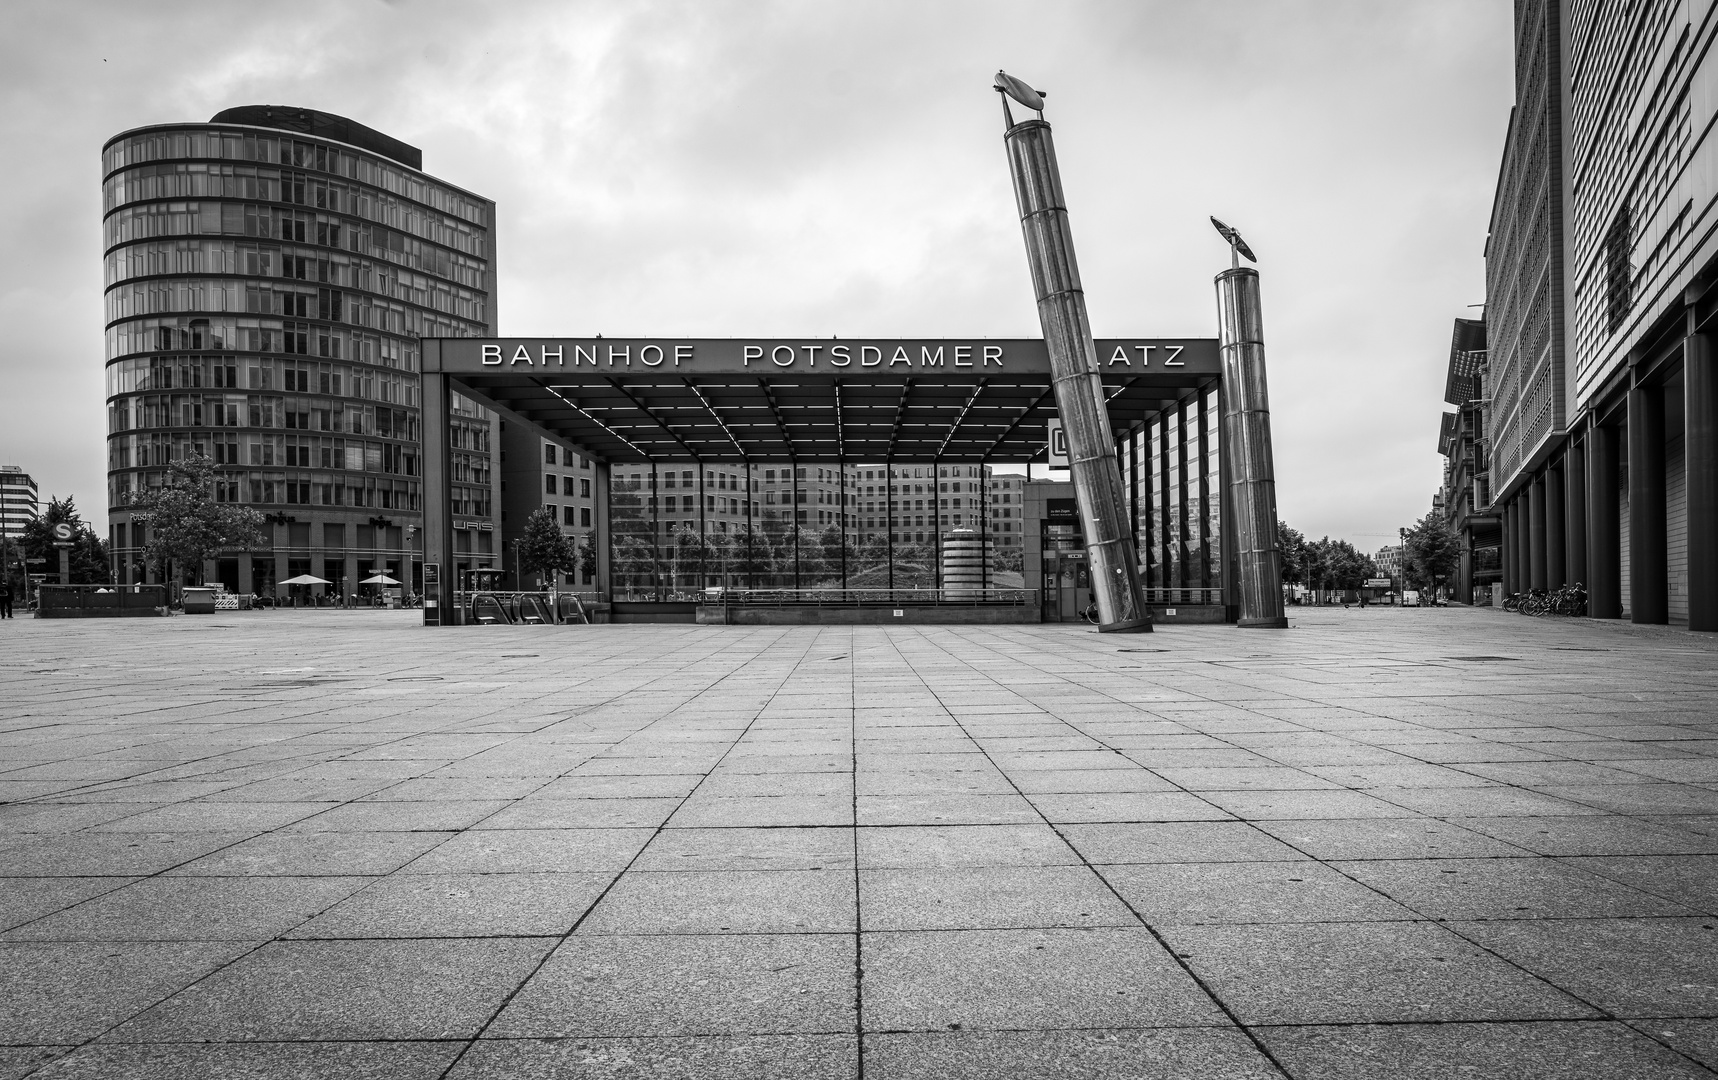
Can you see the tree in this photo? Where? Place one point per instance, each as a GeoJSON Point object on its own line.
{"type": "Point", "coordinates": [588, 558]}
{"type": "Point", "coordinates": [1430, 552]}
{"type": "Point", "coordinates": [543, 547]}
{"type": "Point", "coordinates": [753, 558]}
{"type": "Point", "coordinates": [88, 555]}
{"type": "Point", "coordinates": [1339, 566]}
{"type": "Point", "coordinates": [186, 525]}
{"type": "Point", "coordinates": [1292, 545]}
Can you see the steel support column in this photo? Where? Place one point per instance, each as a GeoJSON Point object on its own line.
{"type": "Point", "coordinates": [1556, 554]}
{"type": "Point", "coordinates": [1649, 596]}
{"type": "Point", "coordinates": [1074, 375]}
{"type": "Point", "coordinates": [1246, 440]}
{"type": "Point", "coordinates": [1230, 559]}
{"type": "Point", "coordinates": [1700, 417]}
{"type": "Point", "coordinates": [1536, 533]}
{"type": "Point", "coordinates": [655, 535]}
{"type": "Point", "coordinates": [1604, 524]}
{"type": "Point", "coordinates": [1511, 547]}
{"type": "Point", "coordinates": [439, 583]}
{"type": "Point", "coordinates": [1575, 510]}
{"type": "Point", "coordinates": [602, 535]}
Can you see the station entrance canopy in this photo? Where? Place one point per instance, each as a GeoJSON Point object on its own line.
{"type": "Point", "coordinates": [636, 400]}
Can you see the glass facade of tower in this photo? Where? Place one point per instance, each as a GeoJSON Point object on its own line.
{"type": "Point", "coordinates": [266, 288]}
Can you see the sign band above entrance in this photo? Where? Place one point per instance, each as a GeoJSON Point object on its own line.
{"type": "Point", "coordinates": [827, 356]}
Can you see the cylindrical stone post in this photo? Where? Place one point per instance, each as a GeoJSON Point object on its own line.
{"type": "Point", "coordinates": [1246, 447]}
{"type": "Point", "coordinates": [1079, 390]}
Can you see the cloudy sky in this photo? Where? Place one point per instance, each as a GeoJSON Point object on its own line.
{"type": "Point", "coordinates": [763, 169]}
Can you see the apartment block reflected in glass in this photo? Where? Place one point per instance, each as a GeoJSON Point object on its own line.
{"type": "Point", "coordinates": [268, 277]}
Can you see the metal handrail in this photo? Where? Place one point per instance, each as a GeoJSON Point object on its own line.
{"type": "Point", "coordinates": [944, 597]}
{"type": "Point", "coordinates": [1164, 596]}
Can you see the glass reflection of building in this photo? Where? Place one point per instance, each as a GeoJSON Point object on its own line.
{"type": "Point", "coordinates": [1170, 465]}
{"type": "Point", "coordinates": [677, 529]}
{"type": "Point", "coordinates": [268, 275]}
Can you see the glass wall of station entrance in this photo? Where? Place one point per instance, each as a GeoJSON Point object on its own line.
{"type": "Point", "coordinates": [680, 528]}
{"type": "Point", "coordinates": [1171, 462]}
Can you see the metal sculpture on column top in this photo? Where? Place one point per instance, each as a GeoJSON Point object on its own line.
{"type": "Point", "coordinates": [1247, 439]}
{"type": "Point", "coordinates": [1073, 363]}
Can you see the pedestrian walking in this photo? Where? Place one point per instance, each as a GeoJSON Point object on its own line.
{"type": "Point", "coordinates": [5, 598]}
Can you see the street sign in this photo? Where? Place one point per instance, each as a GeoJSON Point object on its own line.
{"type": "Point", "coordinates": [1058, 445]}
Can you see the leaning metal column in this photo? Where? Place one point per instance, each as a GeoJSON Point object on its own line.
{"type": "Point", "coordinates": [1073, 366]}
{"type": "Point", "coordinates": [1246, 447]}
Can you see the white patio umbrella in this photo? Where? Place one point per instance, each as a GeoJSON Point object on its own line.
{"type": "Point", "coordinates": [379, 579]}
{"type": "Point", "coordinates": [305, 579]}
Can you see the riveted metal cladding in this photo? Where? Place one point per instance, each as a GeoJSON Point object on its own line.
{"type": "Point", "coordinates": [1074, 375]}
{"type": "Point", "coordinates": [1247, 448]}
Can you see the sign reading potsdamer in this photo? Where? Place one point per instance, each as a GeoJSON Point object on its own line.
{"type": "Point", "coordinates": [832, 356]}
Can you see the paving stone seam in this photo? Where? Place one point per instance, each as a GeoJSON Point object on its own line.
{"type": "Point", "coordinates": [1204, 987]}
{"type": "Point", "coordinates": [563, 938]}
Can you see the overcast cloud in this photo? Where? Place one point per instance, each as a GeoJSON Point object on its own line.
{"type": "Point", "coordinates": [782, 169]}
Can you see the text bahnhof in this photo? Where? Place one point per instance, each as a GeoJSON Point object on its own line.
{"type": "Point", "coordinates": [600, 354]}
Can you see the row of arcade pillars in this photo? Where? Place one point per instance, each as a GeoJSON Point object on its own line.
{"type": "Point", "coordinates": [1629, 505]}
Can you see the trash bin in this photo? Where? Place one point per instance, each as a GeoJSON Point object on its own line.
{"type": "Point", "coordinates": [199, 601]}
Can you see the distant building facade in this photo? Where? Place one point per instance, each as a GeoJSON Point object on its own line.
{"type": "Point", "coordinates": [269, 274]}
{"type": "Point", "coordinates": [1389, 562]}
{"type": "Point", "coordinates": [1465, 497]}
{"type": "Point", "coordinates": [1601, 416]}
{"type": "Point", "coordinates": [19, 502]}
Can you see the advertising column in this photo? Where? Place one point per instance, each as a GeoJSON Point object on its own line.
{"type": "Point", "coordinates": [1073, 365]}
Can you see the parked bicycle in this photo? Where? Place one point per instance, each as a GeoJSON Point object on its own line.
{"type": "Point", "coordinates": [1569, 600]}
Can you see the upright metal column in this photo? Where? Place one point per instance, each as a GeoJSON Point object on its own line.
{"type": "Point", "coordinates": [602, 536]}
{"type": "Point", "coordinates": [1604, 524]}
{"type": "Point", "coordinates": [1649, 594]}
{"type": "Point", "coordinates": [1556, 551]}
{"type": "Point", "coordinates": [889, 472]}
{"type": "Point", "coordinates": [1246, 442]}
{"type": "Point", "coordinates": [1507, 546]}
{"type": "Point", "coordinates": [439, 583]}
{"type": "Point", "coordinates": [655, 535]}
{"type": "Point", "coordinates": [1700, 419]}
{"type": "Point", "coordinates": [1229, 563]}
{"type": "Point", "coordinates": [1536, 533]}
{"type": "Point", "coordinates": [1575, 510]}
{"type": "Point", "coordinates": [1073, 366]}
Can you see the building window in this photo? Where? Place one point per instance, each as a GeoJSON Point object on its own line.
{"type": "Point", "coordinates": [548, 453]}
{"type": "Point", "coordinates": [549, 484]}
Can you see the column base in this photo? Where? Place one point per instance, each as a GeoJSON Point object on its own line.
{"type": "Point", "coordinates": [1278, 623]}
{"type": "Point", "coordinates": [1134, 626]}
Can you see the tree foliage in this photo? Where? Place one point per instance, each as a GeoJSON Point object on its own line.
{"type": "Point", "coordinates": [187, 526]}
{"type": "Point", "coordinates": [88, 553]}
{"type": "Point", "coordinates": [1292, 545]}
{"type": "Point", "coordinates": [1323, 563]}
{"type": "Point", "coordinates": [543, 547]}
{"type": "Point", "coordinates": [1431, 552]}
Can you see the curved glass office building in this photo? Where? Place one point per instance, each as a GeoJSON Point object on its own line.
{"type": "Point", "coordinates": [268, 276]}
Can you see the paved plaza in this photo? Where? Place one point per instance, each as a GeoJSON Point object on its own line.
{"type": "Point", "coordinates": [336, 844]}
